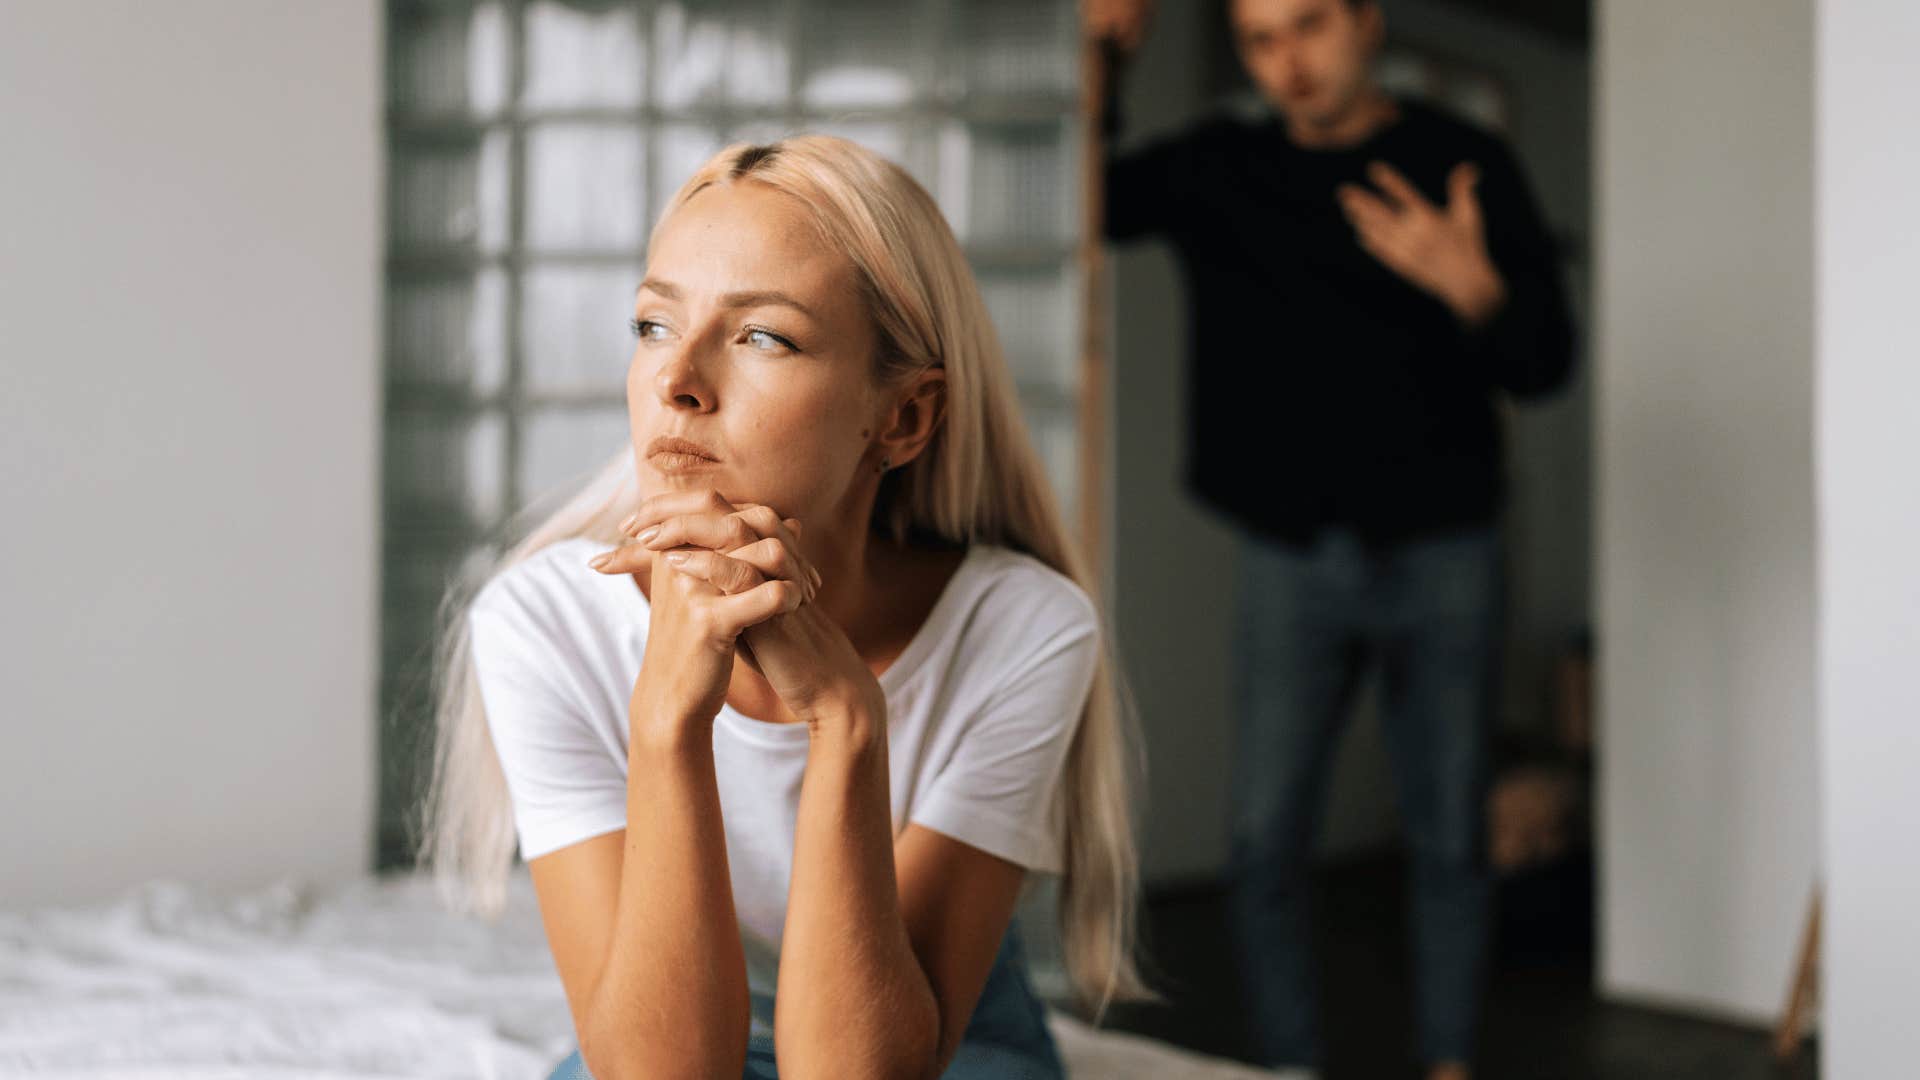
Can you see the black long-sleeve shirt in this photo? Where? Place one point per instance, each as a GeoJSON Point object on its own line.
{"type": "Point", "coordinates": [1322, 387]}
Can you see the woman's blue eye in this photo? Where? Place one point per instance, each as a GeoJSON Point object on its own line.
{"type": "Point", "coordinates": [766, 341]}
{"type": "Point", "coordinates": [643, 328]}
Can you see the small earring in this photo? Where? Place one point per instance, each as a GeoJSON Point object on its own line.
{"type": "Point", "coordinates": [885, 464]}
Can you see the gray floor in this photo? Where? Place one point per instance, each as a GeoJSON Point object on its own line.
{"type": "Point", "coordinates": [1543, 1020]}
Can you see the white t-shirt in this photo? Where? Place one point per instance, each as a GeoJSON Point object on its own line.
{"type": "Point", "coordinates": [981, 707]}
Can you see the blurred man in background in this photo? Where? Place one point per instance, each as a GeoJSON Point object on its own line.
{"type": "Point", "coordinates": [1364, 274]}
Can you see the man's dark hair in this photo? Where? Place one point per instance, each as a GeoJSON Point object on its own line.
{"type": "Point", "coordinates": [1224, 75]}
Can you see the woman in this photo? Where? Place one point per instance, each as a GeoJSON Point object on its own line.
{"type": "Point", "coordinates": [832, 690]}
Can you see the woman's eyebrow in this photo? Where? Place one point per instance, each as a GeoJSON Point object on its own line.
{"type": "Point", "coordinates": [750, 298]}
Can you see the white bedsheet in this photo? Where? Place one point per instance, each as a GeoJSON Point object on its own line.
{"type": "Point", "coordinates": [356, 981]}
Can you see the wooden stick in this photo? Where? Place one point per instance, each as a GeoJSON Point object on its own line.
{"type": "Point", "coordinates": [1793, 1024]}
{"type": "Point", "coordinates": [1092, 426]}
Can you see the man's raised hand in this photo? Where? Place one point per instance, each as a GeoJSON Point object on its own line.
{"type": "Point", "coordinates": [1441, 249]}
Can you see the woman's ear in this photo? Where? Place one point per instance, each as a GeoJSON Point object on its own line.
{"type": "Point", "coordinates": [916, 416]}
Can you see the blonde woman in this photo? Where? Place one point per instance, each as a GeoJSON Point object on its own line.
{"type": "Point", "coordinates": [793, 700]}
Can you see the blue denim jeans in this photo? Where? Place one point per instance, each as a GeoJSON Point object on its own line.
{"type": "Point", "coordinates": [1310, 618]}
{"type": "Point", "coordinates": [1006, 1038]}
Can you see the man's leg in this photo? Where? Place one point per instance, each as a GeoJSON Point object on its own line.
{"type": "Point", "coordinates": [1441, 650]}
{"type": "Point", "coordinates": [1295, 666]}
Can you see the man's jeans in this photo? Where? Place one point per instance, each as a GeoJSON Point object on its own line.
{"type": "Point", "coordinates": [1308, 620]}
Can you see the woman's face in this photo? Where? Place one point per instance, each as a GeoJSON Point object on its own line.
{"type": "Point", "coordinates": [754, 345]}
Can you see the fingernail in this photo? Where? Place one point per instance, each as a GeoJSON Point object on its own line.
{"type": "Point", "coordinates": [601, 560]}
{"type": "Point", "coordinates": [627, 525]}
{"type": "Point", "coordinates": [676, 557]}
{"type": "Point", "coordinates": [652, 531]}
{"type": "Point", "coordinates": [815, 574]}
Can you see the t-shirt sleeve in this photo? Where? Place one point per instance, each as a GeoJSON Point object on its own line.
{"type": "Point", "coordinates": [1145, 189]}
{"type": "Point", "coordinates": [1527, 346]}
{"type": "Point", "coordinates": [999, 791]}
{"type": "Point", "coordinates": [566, 784]}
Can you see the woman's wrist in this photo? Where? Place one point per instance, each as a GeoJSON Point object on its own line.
{"type": "Point", "coordinates": [849, 717]}
{"type": "Point", "coordinates": [656, 727]}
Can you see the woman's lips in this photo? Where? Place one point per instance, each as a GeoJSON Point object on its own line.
{"type": "Point", "coordinates": [669, 462]}
{"type": "Point", "coordinates": [679, 444]}
{"type": "Point", "coordinates": [671, 453]}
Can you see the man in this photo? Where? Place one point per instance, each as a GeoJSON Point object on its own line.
{"type": "Point", "coordinates": [1364, 275]}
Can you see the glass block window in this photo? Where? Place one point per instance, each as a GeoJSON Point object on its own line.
{"type": "Point", "coordinates": [531, 145]}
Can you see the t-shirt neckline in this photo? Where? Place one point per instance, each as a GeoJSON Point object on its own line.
{"type": "Point", "coordinates": [1365, 147]}
{"type": "Point", "coordinates": [896, 674]}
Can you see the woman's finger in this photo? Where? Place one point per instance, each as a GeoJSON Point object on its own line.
{"type": "Point", "coordinates": [746, 597]}
{"type": "Point", "coordinates": [775, 560]}
{"type": "Point", "coordinates": [721, 532]}
{"type": "Point", "coordinates": [768, 558]}
{"type": "Point", "coordinates": [728, 533]}
{"type": "Point", "coordinates": [678, 501]}
{"type": "Point", "coordinates": [778, 596]}
{"type": "Point", "coordinates": [768, 522]}
{"type": "Point", "coordinates": [623, 559]}
{"type": "Point", "coordinates": [656, 507]}
{"type": "Point", "coordinates": [723, 572]}
{"type": "Point", "coordinates": [761, 521]}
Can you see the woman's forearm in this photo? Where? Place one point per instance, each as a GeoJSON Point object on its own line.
{"type": "Point", "coordinates": [672, 998]}
{"type": "Point", "coordinates": [852, 1000]}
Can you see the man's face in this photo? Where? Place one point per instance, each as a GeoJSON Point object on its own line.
{"type": "Point", "coordinates": [1308, 57]}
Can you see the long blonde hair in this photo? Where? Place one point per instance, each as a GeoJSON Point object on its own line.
{"type": "Point", "coordinates": [979, 480]}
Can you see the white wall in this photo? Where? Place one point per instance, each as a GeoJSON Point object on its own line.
{"type": "Point", "coordinates": [1706, 538]}
{"type": "Point", "coordinates": [1868, 394]}
{"type": "Point", "coordinates": [189, 405]}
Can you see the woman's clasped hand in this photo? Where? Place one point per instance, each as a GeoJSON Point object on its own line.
{"type": "Point", "coordinates": [729, 578]}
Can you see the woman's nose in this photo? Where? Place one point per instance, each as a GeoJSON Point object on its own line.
{"type": "Point", "coordinates": [682, 383]}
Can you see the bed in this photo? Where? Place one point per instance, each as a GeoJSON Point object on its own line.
{"type": "Point", "coordinates": [351, 981]}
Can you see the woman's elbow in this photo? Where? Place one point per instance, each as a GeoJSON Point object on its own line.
{"type": "Point", "coordinates": [909, 1049]}
{"type": "Point", "coordinates": [626, 1054]}
{"type": "Point", "coordinates": [910, 1057]}
{"type": "Point", "coordinates": [657, 1063]}
{"type": "Point", "coordinates": [926, 1053]}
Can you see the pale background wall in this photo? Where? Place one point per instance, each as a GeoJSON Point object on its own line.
{"type": "Point", "coordinates": [1867, 166]}
{"type": "Point", "coordinates": [1709, 820]}
{"type": "Point", "coordinates": [189, 405]}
